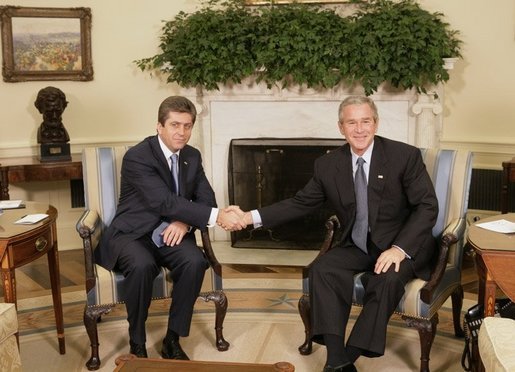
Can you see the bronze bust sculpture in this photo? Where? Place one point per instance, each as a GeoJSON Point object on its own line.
{"type": "Point", "coordinates": [51, 102]}
{"type": "Point", "coordinates": [52, 135]}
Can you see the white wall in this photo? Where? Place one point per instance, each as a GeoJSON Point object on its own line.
{"type": "Point", "coordinates": [479, 103]}
{"type": "Point", "coordinates": [120, 104]}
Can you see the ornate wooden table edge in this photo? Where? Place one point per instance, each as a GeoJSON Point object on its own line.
{"type": "Point", "coordinates": [129, 362]}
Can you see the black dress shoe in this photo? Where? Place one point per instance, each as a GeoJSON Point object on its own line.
{"type": "Point", "coordinates": [349, 367]}
{"type": "Point", "coordinates": [138, 349]}
{"type": "Point", "coordinates": [172, 349]}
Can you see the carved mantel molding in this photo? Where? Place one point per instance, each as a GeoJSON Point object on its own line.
{"type": "Point", "coordinates": [251, 110]}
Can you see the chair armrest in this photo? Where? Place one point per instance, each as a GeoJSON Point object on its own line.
{"type": "Point", "coordinates": [210, 254]}
{"type": "Point", "coordinates": [89, 228]}
{"type": "Point", "coordinates": [87, 224]}
{"type": "Point", "coordinates": [426, 292]}
{"type": "Point", "coordinates": [332, 225]}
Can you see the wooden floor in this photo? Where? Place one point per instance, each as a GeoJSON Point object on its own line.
{"type": "Point", "coordinates": [33, 279]}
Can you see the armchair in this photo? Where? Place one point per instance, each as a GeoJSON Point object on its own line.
{"type": "Point", "coordinates": [101, 174]}
{"type": "Point", "coordinates": [450, 171]}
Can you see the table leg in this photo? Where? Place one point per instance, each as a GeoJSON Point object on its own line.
{"type": "Point", "coordinates": [53, 266]}
{"type": "Point", "coordinates": [490, 290]}
{"type": "Point", "coordinates": [4, 183]}
{"type": "Point", "coordinates": [9, 285]}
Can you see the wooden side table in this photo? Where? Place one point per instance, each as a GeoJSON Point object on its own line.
{"type": "Point", "coordinates": [495, 260]}
{"type": "Point", "coordinates": [507, 189]}
{"type": "Point", "coordinates": [30, 169]}
{"type": "Point", "coordinates": [21, 244]}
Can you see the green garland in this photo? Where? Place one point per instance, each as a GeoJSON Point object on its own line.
{"type": "Point", "coordinates": [384, 41]}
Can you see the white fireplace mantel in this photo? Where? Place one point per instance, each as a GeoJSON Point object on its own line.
{"type": "Point", "coordinates": [250, 110]}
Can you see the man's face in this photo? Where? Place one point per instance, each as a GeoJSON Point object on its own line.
{"type": "Point", "coordinates": [52, 112]}
{"type": "Point", "coordinates": [358, 126]}
{"type": "Point", "coordinates": [176, 131]}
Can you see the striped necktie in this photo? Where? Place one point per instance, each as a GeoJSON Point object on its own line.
{"type": "Point", "coordinates": [360, 228]}
{"type": "Point", "coordinates": [175, 172]}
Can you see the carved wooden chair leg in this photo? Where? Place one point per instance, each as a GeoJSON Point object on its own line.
{"type": "Point", "coordinates": [305, 313]}
{"type": "Point", "coordinates": [91, 317]}
{"type": "Point", "coordinates": [220, 300]}
{"type": "Point", "coordinates": [427, 332]}
{"type": "Point", "coordinates": [457, 304]}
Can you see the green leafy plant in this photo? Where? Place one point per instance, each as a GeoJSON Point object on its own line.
{"type": "Point", "coordinates": [384, 41]}
{"type": "Point", "coordinates": [298, 44]}
{"type": "Point", "coordinates": [207, 47]}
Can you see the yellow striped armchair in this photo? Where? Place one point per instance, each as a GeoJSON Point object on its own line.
{"type": "Point", "coordinates": [101, 174]}
{"type": "Point", "coordinates": [450, 172]}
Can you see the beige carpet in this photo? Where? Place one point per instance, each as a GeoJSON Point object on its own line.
{"type": "Point", "coordinates": [262, 325]}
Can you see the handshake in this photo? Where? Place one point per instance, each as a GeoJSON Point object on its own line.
{"type": "Point", "coordinates": [233, 218]}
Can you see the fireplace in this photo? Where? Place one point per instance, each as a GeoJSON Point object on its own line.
{"type": "Point", "coordinates": [265, 170]}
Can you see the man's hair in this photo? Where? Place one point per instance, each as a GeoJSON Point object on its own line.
{"type": "Point", "coordinates": [357, 100]}
{"type": "Point", "coordinates": [50, 94]}
{"type": "Point", "coordinates": [176, 104]}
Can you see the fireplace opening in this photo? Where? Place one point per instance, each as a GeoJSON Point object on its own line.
{"type": "Point", "coordinates": [263, 171]}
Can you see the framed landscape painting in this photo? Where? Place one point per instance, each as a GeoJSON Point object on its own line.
{"type": "Point", "coordinates": [46, 44]}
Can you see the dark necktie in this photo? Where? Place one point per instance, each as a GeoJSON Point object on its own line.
{"type": "Point", "coordinates": [360, 228]}
{"type": "Point", "coordinates": [175, 172]}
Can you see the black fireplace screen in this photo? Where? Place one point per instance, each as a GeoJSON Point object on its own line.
{"type": "Point", "coordinates": [265, 170]}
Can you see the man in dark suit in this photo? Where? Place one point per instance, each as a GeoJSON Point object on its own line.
{"type": "Point", "coordinates": [396, 243]}
{"type": "Point", "coordinates": [161, 203]}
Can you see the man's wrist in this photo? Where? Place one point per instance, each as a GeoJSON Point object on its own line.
{"type": "Point", "coordinates": [213, 217]}
{"type": "Point", "coordinates": [402, 250]}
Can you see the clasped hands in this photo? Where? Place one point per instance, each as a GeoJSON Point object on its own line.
{"type": "Point", "coordinates": [233, 218]}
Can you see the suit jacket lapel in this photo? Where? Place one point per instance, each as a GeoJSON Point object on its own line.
{"type": "Point", "coordinates": [164, 168]}
{"type": "Point", "coordinates": [343, 177]}
{"type": "Point", "coordinates": [376, 180]}
{"type": "Point", "coordinates": [183, 169]}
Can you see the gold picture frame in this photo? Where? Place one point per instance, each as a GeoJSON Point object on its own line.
{"type": "Point", "coordinates": [278, 2]}
{"type": "Point", "coordinates": [46, 43]}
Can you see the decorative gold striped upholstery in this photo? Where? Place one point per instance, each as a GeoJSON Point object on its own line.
{"type": "Point", "coordinates": [9, 352]}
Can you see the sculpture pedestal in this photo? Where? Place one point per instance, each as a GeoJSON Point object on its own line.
{"type": "Point", "coordinates": [51, 152]}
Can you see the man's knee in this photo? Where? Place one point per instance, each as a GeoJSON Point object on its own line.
{"type": "Point", "coordinates": [144, 268]}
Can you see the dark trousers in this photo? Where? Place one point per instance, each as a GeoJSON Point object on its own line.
{"type": "Point", "coordinates": [140, 261]}
{"type": "Point", "coordinates": [331, 280]}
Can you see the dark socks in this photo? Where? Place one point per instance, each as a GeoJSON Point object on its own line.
{"type": "Point", "coordinates": [171, 335]}
{"type": "Point", "coordinates": [336, 354]}
{"type": "Point", "coordinates": [353, 352]}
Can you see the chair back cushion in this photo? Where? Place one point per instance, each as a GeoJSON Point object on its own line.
{"type": "Point", "coordinates": [101, 167]}
{"type": "Point", "coordinates": [450, 171]}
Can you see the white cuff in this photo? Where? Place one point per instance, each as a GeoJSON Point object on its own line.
{"type": "Point", "coordinates": [256, 218]}
{"type": "Point", "coordinates": [212, 217]}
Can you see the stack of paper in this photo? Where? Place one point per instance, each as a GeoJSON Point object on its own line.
{"type": "Point", "coordinates": [11, 204]}
{"type": "Point", "coordinates": [502, 226]}
{"type": "Point", "coordinates": [31, 218]}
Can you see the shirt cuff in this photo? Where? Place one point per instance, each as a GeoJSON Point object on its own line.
{"type": "Point", "coordinates": [256, 217]}
{"type": "Point", "coordinates": [212, 217]}
{"type": "Point", "coordinates": [402, 250]}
